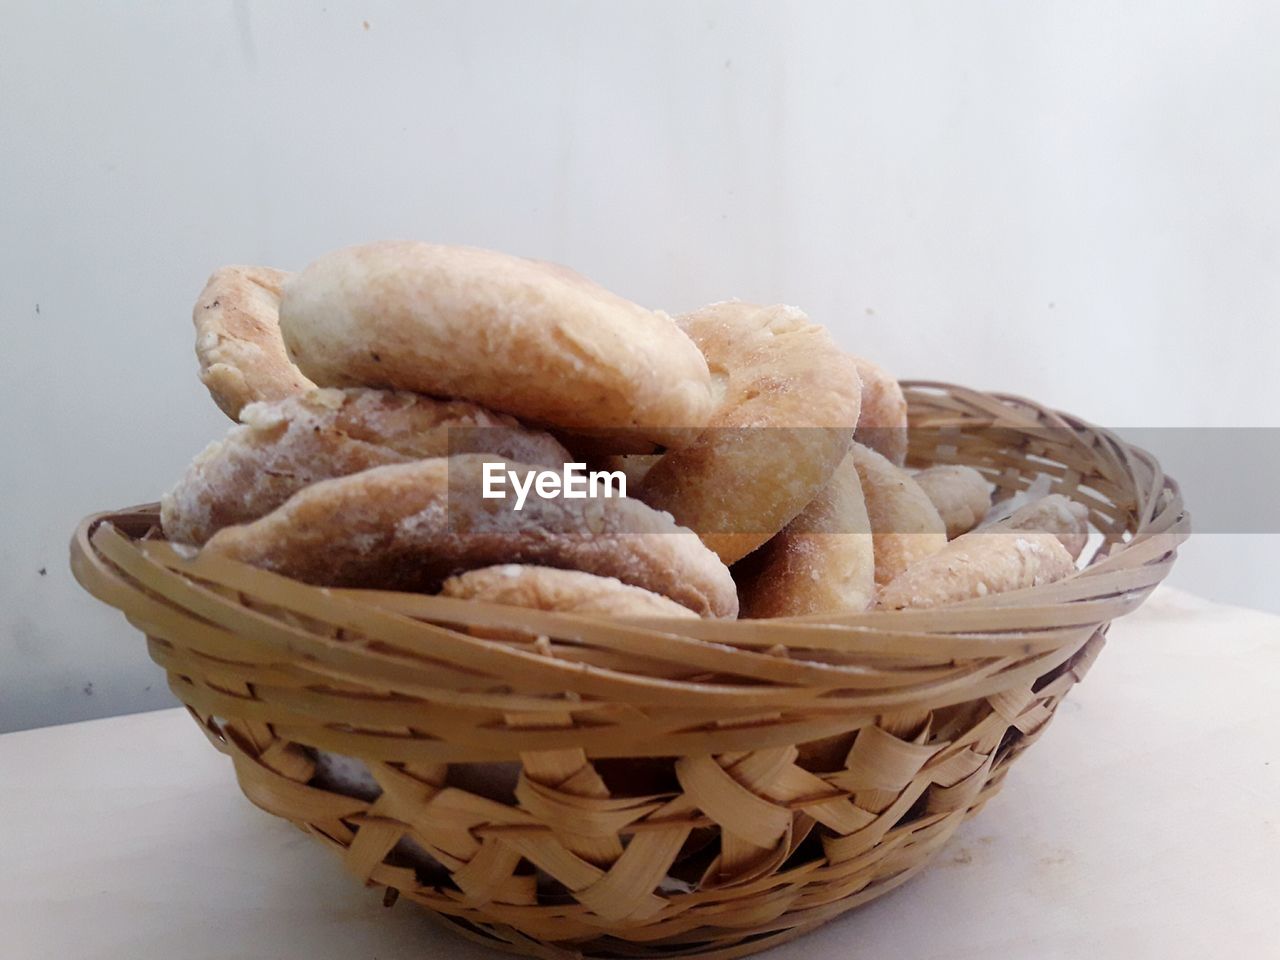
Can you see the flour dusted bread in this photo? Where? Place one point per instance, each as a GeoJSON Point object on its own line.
{"type": "Point", "coordinates": [410, 526]}
{"type": "Point", "coordinates": [374, 385]}
{"type": "Point", "coordinates": [789, 403]}
{"type": "Point", "coordinates": [905, 524]}
{"type": "Point", "coordinates": [525, 337]}
{"type": "Point", "coordinates": [242, 356]}
{"type": "Point", "coordinates": [882, 423]}
{"type": "Point", "coordinates": [821, 562]}
{"type": "Point", "coordinates": [1055, 514]}
{"type": "Point", "coordinates": [979, 563]}
{"type": "Point", "coordinates": [286, 445]}
{"type": "Point", "coordinates": [961, 494]}
{"type": "Point", "coordinates": [566, 591]}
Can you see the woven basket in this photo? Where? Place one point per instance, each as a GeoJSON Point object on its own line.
{"type": "Point", "coordinates": [684, 787]}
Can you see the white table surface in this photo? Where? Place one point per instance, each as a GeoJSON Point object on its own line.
{"type": "Point", "coordinates": [1145, 823]}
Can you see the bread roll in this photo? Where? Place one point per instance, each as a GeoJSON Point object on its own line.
{"type": "Point", "coordinates": [1065, 519]}
{"type": "Point", "coordinates": [976, 564]}
{"type": "Point", "coordinates": [567, 591]}
{"type": "Point", "coordinates": [524, 337]}
{"type": "Point", "coordinates": [288, 444]}
{"type": "Point", "coordinates": [789, 403]}
{"type": "Point", "coordinates": [882, 424]}
{"type": "Point", "coordinates": [905, 525]}
{"type": "Point", "coordinates": [409, 526]}
{"type": "Point", "coordinates": [821, 562]}
{"type": "Point", "coordinates": [961, 494]}
{"type": "Point", "coordinates": [242, 356]}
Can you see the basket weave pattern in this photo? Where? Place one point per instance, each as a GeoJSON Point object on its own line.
{"type": "Point", "coordinates": [685, 787]}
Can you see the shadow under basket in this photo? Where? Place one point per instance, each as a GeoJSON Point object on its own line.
{"type": "Point", "coordinates": [565, 786]}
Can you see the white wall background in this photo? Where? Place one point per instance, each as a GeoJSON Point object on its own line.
{"type": "Point", "coordinates": [1076, 201]}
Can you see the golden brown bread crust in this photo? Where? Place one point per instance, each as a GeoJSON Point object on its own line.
{"type": "Point", "coordinates": [410, 526]}
{"type": "Point", "coordinates": [976, 564]}
{"type": "Point", "coordinates": [790, 400]}
{"type": "Point", "coordinates": [882, 424]}
{"type": "Point", "coordinates": [567, 591]}
{"type": "Point", "coordinates": [242, 356]}
{"type": "Point", "coordinates": [821, 562]}
{"type": "Point", "coordinates": [525, 337]}
{"type": "Point", "coordinates": [961, 494]}
{"type": "Point", "coordinates": [905, 525]}
{"type": "Point", "coordinates": [288, 444]}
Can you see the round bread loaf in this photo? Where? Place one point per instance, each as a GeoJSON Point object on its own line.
{"type": "Point", "coordinates": [288, 444]}
{"type": "Point", "coordinates": [789, 402]}
{"type": "Point", "coordinates": [525, 337]}
{"type": "Point", "coordinates": [409, 526]}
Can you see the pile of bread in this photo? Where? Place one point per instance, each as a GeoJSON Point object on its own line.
{"type": "Point", "coordinates": [764, 464]}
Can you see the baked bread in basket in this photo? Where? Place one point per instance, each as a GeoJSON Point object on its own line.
{"type": "Point", "coordinates": [572, 729]}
